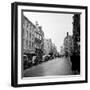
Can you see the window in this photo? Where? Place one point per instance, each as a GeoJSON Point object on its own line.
{"type": "Point", "coordinates": [37, 35]}
{"type": "Point", "coordinates": [28, 25]}
{"type": "Point", "coordinates": [29, 44]}
{"type": "Point", "coordinates": [23, 42]}
{"type": "Point", "coordinates": [26, 43]}
{"type": "Point", "coordinates": [25, 23]}
{"type": "Point", "coordinates": [32, 44]}
{"type": "Point", "coordinates": [30, 35]}
{"type": "Point", "coordinates": [27, 34]}
{"type": "Point", "coordinates": [23, 33]}
{"type": "Point", "coordinates": [32, 28]}
{"type": "Point", "coordinates": [40, 37]}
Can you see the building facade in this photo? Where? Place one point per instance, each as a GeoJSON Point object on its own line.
{"type": "Point", "coordinates": [28, 36]}
{"type": "Point", "coordinates": [47, 46]}
{"type": "Point", "coordinates": [32, 38]}
{"type": "Point", "coordinates": [75, 58]}
{"type": "Point", "coordinates": [68, 45]}
{"type": "Point", "coordinates": [54, 49]}
{"type": "Point", "coordinates": [62, 52]}
{"type": "Point", "coordinates": [39, 41]}
{"type": "Point", "coordinates": [76, 34]}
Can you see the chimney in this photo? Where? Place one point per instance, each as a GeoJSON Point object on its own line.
{"type": "Point", "coordinates": [40, 27]}
{"type": "Point", "coordinates": [67, 33]}
{"type": "Point", "coordinates": [37, 23]}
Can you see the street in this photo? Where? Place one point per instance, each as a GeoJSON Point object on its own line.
{"type": "Point", "coordinates": [58, 66]}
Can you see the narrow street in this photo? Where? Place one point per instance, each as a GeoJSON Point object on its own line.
{"type": "Point", "coordinates": [58, 66]}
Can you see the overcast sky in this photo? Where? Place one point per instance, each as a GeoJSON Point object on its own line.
{"type": "Point", "coordinates": [55, 26]}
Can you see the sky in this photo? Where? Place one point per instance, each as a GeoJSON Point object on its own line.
{"type": "Point", "coordinates": [54, 25]}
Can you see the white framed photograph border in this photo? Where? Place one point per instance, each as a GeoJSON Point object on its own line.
{"type": "Point", "coordinates": [16, 74]}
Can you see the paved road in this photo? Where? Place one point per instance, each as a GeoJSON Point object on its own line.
{"type": "Point", "coordinates": [58, 66]}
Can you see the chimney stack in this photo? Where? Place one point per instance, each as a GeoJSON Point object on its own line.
{"type": "Point", "coordinates": [67, 33]}
{"type": "Point", "coordinates": [37, 23]}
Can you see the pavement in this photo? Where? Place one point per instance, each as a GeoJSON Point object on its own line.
{"type": "Point", "coordinates": [58, 66]}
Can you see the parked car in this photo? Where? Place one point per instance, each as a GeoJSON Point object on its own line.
{"type": "Point", "coordinates": [46, 58]}
{"type": "Point", "coordinates": [29, 63]}
{"type": "Point", "coordinates": [43, 58]}
{"type": "Point", "coordinates": [36, 60]}
{"type": "Point", "coordinates": [49, 57]}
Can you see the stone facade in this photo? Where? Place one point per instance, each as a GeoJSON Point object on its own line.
{"type": "Point", "coordinates": [47, 46]}
{"type": "Point", "coordinates": [32, 37]}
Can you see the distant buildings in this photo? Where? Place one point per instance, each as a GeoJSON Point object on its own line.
{"type": "Point", "coordinates": [49, 47]}
{"type": "Point", "coordinates": [54, 50]}
{"type": "Point", "coordinates": [68, 45]}
{"type": "Point", "coordinates": [62, 52]}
